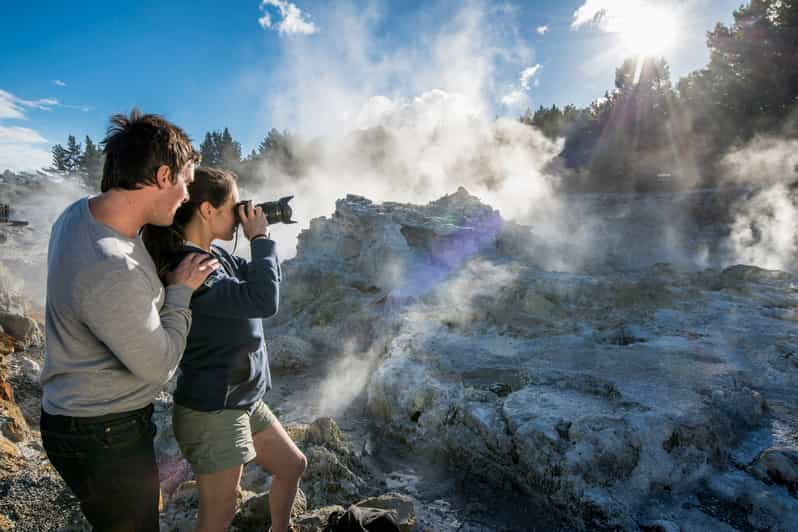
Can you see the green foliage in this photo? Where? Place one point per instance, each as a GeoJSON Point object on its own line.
{"type": "Point", "coordinates": [91, 163]}
{"type": "Point", "coordinates": [73, 153]}
{"type": "Point", "coordinates": [644, 129]}
{"type": "Point", "coordinates": [59, 158]}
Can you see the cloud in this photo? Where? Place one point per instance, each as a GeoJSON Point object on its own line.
{"type": "Point", "coordinates": [20, 149]}
{"type": "Point", "coordinates": [527, 74]}
{"type": "Point", "coordinates": [60, 83]}
{"type": "Point", "coordinates": [515, 99]}
{"type": "Point", "coordinates": [292, 20]}
{"type": "Point", "coordinates": [596, 12]}
{"type": "Point", "coordinates": [19, 135]}
{"type": "Point", "coordinates": [542, 30]}
{"type": "Point", "coordinates": [13, 107]}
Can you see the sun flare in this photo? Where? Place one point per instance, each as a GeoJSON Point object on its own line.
{"type": "Point", "coordinates": [647, 30]}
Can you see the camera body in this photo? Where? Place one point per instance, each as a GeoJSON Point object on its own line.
{"type": "Point", "coordinates": [275, 211]}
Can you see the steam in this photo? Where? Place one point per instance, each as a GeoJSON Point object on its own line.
{"type": "Point", "coordinates": [38, 199]}
{"type": "Point", "coordinates": [346, 379]}
{"type": "Point", "coordinates": [765, 161]}
{"type": "Point", "coordinates": [763, 232]}
{"type": "Point", "coordinates": [763, 229]}
{"type": "Point", "coordinates": [410, 122]}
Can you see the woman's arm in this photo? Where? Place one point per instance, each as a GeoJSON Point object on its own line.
{"type": "Point", "coordinates": [255, 296]}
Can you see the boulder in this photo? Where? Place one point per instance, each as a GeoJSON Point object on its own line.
{"type": "Point", "coordinates": [287, 353]}
{"type": "Point", "coordinates": [11, 459]}
{"type": "Point", "coordinates": [315, 520]}
{"type": "Point", "coordinates": [329, 480]}
{"type": "Point", "coordinates": [255, 513]}
{"type": "Point", "coordinates": [401, 504]}
{"type": "Point", "coordinates": [778, 465]}
{"type": "Point", "coordinates": [12, 423]}
{"type": "Point", "coordinates": [22, 328]}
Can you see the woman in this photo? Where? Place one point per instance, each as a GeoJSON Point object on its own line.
{"type": "Point", "coordinates": [220, 419]}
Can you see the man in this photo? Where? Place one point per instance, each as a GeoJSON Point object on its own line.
{"type": "Point", "coordinates": [114, 335]}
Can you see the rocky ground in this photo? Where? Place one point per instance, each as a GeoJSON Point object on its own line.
{"type": "Point", "coordinates": [434, 357]}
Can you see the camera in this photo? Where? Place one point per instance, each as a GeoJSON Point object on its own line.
{"type": "Point", "coordinates": [275, 211]}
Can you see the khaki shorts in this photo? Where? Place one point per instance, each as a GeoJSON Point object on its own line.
{"type": "Point", "coordinates": [220, 439]}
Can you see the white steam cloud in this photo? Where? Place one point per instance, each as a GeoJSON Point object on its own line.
{"type": "Point", "coordinates": [407, 123]}
{"type": "Point", "coordinates": [763, 231]}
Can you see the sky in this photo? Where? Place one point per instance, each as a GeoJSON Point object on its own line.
{"type": "Point", "coordinates": [316, 67]}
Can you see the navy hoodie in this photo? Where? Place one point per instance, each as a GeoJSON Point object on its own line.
{"type": "Point", "coordinates": [225, 365]}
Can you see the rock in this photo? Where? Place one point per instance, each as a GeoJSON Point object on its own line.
{"type": "Point", "coordinates": [329, 480]}
{"type": "Point", "coordinates": [660, 525]}
{"type": "Point", "coordinates": [7, 344]}
{"type": "Point", "coordinates": [255, 479]}
{"type": "Point", "coordinates": [12, 423]}
{"type": "Point", "coordinates": [316, 520]}
{"type": "Point", "coordinates": [778, 465]}
{"type": "Point", "coordinates": [186, 493]}
{"type": "Point", "coordinates": [30, 369]}
{"type": "Point", "coordinates": [256, 513]}
{"type": "Point", "coordinates": [401, 504]}
{"type": "Point", "coordinates": [11, 459]}
{"type": "Point", "coordinates": [754, 503]}
{"type": "Point", "coordinates": [325, 431]}
{"type": "Point", "coordinates": [289, 353]}
{"type": "Point", "coordinates": [296, 431]}
{"type": "Point", "coordinates": [604, 384]}
{"type": "Point", "coordinates": [5, 522]}
{"type": "Point", "coordinates": [21, 327]}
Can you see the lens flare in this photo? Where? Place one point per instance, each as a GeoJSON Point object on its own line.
{"type": "Point", "coordinates": [647, 30]}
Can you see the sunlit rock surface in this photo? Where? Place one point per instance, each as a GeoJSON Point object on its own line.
{"type": "Point", "coordinates": [626, 396]}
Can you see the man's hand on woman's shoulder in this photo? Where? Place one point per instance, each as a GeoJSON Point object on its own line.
{"type": "Point", "coordinates": [193, 270]}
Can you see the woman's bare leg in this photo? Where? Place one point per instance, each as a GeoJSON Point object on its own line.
{"type": "Point", "coordinates": [217, 494]}
{"type": "Point", "coordinates": [278, 454]}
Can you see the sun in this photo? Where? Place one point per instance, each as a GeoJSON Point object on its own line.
{"type": "Point", "coordinates": [647, 30]}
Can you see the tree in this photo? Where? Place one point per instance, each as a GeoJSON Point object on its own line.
{"type": "Point", "coordinates": [229, 151]}
{"type": "Point", "coordinates": [73, 154]}
{"type": "Point", "coordinates": [209, 150]}
{"type": "Point", "coordinates": [59, 158]}
{"type": "Point", "coordinates": [279, 148]}
{"type": "Point", "coordinates": [91, 163]}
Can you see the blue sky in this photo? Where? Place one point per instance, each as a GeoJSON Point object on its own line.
{"type": "Point", "coordinates": [246, 64]}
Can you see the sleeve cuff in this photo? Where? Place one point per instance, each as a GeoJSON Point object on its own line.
{"type": "Point", "coordinates": [263, 247]}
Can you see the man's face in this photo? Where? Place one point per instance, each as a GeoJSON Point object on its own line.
{"type": "Point", "coordinates": [173, 195]}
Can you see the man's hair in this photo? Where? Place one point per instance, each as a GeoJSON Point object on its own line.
{"type": "Point", "coordinates": [137, 145]}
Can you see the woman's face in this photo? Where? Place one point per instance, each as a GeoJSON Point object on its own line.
{"type": "Point", "coordinates": [223, 221]}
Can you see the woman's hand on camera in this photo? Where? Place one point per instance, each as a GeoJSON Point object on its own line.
{"type": "Point", "coordinates": [253, 221]}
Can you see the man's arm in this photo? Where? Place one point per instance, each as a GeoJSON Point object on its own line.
{"type": "Point", "coordinates": [120, 309]}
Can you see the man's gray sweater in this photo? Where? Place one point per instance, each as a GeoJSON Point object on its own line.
{"type": "Point", "coordinates": [113, 334]}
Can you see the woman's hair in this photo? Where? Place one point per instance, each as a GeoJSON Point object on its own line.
{"type": "Point", "coordinates": [210, 184]}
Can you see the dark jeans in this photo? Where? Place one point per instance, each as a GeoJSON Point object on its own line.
{"type": "Point", "coordinates": [109, 464]}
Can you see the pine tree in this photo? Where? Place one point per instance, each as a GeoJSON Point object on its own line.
{"type": "Point", "coordinates": [209, 150]}
{"type": "Point", "coordinates": [59, 158]}
{"type": "Point", "coordinates": [229, 151]}
{"type": "Point", "coordinates": [73, 154]}
{"type": "Point", "coordinates": [91, 163]}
